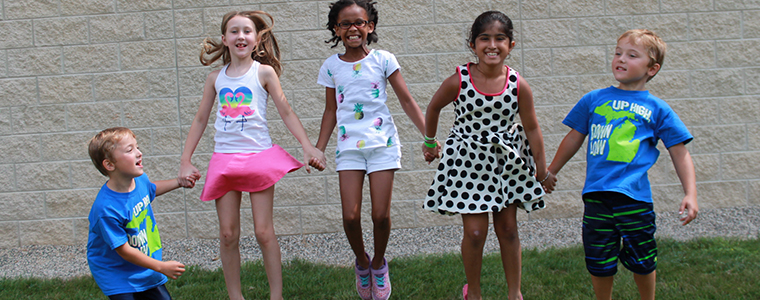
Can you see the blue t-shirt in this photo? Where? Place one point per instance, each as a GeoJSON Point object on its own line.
{"type": "Point", "coordinates": [118, 218]}
{"type": "Point", "coordinates": [623, 128]}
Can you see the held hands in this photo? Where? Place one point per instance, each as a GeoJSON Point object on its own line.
{"type": "Point", "coordinates": [314, 158]}
{"type": "Point", "coordinates": [549, 182]}
{"type": "Point", "coordinates": [431, 153]}
{"type": "Point", "coordinates": [688, 209]}
{"type": "Point", "coordinates": [188, 174]}
{"type": "Point", "coordinates": [171, 269]}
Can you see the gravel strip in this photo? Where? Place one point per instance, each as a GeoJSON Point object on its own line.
{"type": "Point", "coordinates": [333, 248]}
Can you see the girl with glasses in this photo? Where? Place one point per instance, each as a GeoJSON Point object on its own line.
{"type": "Point", "coordinates": [368, 142]}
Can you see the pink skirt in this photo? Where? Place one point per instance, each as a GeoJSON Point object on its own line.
{"type": "Point", "coordinates": [246, 172]}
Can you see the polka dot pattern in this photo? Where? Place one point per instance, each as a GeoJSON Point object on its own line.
{"type": "Point", "coordinates": [486, 163]}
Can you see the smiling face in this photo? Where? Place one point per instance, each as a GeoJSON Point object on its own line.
{"type": "Point", "coordinates": [631, 65]}
{"type": "Point", "coordinates": [492, 45]}
{"type": "Point", "coordinates": [353, 36]}
{"type": "Point", "coordinates": [126, 159]}
{"type": "Point", "coordinates": [240, 37]}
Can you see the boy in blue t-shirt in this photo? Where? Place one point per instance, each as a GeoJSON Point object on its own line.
{"type": "Point", "coordinates": [624, 124]}
{"type": "Point", "coordinates": [124, 247]}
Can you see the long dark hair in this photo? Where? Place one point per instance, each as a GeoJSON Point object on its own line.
{"type": "Point", "coordinates": [337, 6]}
{"type": "Point", "coordinates": [266, 51]}
{"type": "Point", "coordinates": [486, 19]}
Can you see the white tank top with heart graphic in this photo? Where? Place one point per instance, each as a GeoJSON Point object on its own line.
{"type": "Point", "coordinates": [241, 117]}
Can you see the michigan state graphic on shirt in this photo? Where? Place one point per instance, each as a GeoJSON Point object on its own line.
{"type": "Point", "coordinates": [615, 137]}
{"type": "Point", "coordinates": [142, 232]}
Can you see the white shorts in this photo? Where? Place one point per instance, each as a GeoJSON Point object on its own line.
{"type": "Point", "coordinates": [369, 160]}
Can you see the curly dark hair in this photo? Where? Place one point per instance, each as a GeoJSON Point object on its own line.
{"type": "Point", "coordinates": [337, 6]}
{"type": "Point", "coordinates": [486, 19]}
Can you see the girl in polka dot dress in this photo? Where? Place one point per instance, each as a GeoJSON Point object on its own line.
{"type": "Point", "coordinates": [487, 163]}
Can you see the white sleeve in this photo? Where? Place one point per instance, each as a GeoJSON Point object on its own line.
{"type": "Point", "coordinates": [390, 63]}
{"type": "Point", "coordinates": [325, 75]}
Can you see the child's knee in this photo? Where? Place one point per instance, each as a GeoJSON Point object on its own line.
{"type": "Point", "coordinates": [229, 237]}
{"type": "Point", "coordinates": [352, 220]}
{"type": "Point", "coordinates": [476, 236]}
{"type": "Point", "coordinates": [506, 232]}
{"type": "Point", "coordinates": [265, 236]}
{"type": "Point", "coordinates": [381, 219]}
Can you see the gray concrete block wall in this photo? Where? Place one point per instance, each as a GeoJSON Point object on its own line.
{"type": "Point", "coordinates": [71, 68]}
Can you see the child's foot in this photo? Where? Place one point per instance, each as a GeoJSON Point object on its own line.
{"type": "Point", "coordinates": [464, 292]}
{"type": "Point", "coordinates": [381, 282]}
{"type": "Point", "coordinates": [363, 280]}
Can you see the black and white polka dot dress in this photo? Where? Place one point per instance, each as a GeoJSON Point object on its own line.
{"type": "Point", "coordinates": [486, 163]}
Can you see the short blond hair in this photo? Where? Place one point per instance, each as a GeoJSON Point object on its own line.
{"type": "Point", "coordinates": [654, 45]}
{"type": "Point", "coordinates": [101, 146]}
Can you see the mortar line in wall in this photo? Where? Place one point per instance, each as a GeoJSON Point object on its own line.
{"type": "Point", "coordinates": [33, 41]}
{"type": "Point", "coordinates": [18, 232]}
{"type": "Point", "coordinates": [435, 12]}
{"type": "Point", "coordinates": [15, 177]}
{"type": "Point", "coordinates": [688, 25]}
{"type": "Point", "coordinates": [176, 65]}
{"type": "Point", "coordinates": [179, 109]}
{"type": "Point", "coordinates": [522, 28]}
{"type": "Point", "coordinates": [741, 25]}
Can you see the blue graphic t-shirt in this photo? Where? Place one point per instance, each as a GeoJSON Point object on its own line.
{"type": "Point", "coordinates": [118, 218]}
{"type": "Point", "coordinates": [623, 128]}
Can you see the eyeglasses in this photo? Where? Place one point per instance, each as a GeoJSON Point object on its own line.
{"type": "Point", "coordinates": [358, 24]}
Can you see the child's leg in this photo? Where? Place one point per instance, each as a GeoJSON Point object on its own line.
{"type": "Point", "coordinates": [602, 238]}
{"type": "Point", "coordinates": [505, 226]}
{"type": "Point", "coordinates": [380, 188]}
{"type": "Point", "coordinates": [263, 226]}
{"type": "Point", "coordinates": [473, 240]}
{"type": "Point", "coordinates": [351, 183]}
{"type": "Point", "coordinates": [228, 211]}
{"type": "Point", "coordinates": [639, 254]}
{"type": "Point", "coordinates": [646, 284]}
{"type": "Point", "coordinates": [603, 286]}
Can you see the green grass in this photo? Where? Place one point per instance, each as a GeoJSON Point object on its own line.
{"type": "Point", "coordinates": [715, 268]}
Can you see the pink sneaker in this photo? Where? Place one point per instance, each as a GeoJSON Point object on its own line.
{"type": "Point", "coordinates": [363, 280]}
{"type": "Point", "coordinates": [381, 282]}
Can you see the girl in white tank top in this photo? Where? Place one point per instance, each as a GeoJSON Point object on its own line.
{"type": "Point", "coordinates": [244, 159]}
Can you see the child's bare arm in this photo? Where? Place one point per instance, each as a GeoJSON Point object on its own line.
{"type": "Point", "coordinates": [445, 94]}
{"type": "Point", "coordinates": [171, 269]}
{"type": "Point", "coordinates": [165, 186]}
{"type": "Point", "coordinates": [532, 129]}
{"type": "Point", "coordinates": [567, 149]}
{"type": "Point", "coordinates": [328, 119]}
{"type": "Point", "coordinates": [685, 170]}
{"type": "Point", "coordinates": [407, 102]}
{"type": "Point", "coordinates": [313, 157]}
{"type": "Point", "coordinates": [186, 168]}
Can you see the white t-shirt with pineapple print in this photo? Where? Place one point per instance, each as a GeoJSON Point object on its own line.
{"type": "Point", "coordinates": [363, 119]}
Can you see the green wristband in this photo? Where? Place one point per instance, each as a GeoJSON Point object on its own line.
{"type": "Point", "coordinates": [431, 145]}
